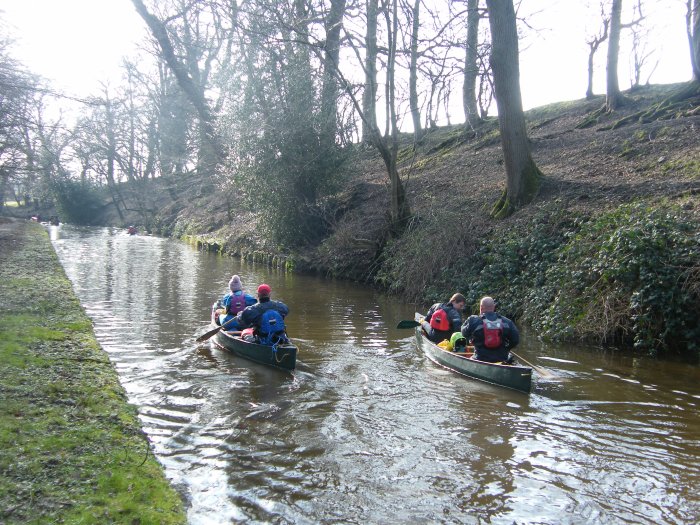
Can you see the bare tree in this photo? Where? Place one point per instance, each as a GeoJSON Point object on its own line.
{"type": "Point", "coordinates": [16, 134]}
{"type": "Point", "coordinates": [190, 78]}
{"type": "Point", "coordinates": [471, 68]}
{"type": "Point", "coordinates": [523, 177]}
{"type": "Point", "coordinates": [413, 70]}
{"type": "Point", "coordinates": [330, 89]}
{"type": "Point", "coordinates": [399, 210]}
{"type": "Point", "coordinates": [640, 50]}
{"type": "Point", "coordinates": [593, 44]}
{"type": "Point", "coordinates": [613, 96]}
{"type": "Point", "coordinates": [369, 96]}
{"type": "Point", "coordinates": [386, 144]}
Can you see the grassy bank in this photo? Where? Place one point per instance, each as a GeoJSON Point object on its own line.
{"type": "Point", "coordinates": [71, 447]}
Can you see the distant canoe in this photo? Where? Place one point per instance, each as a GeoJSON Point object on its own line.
{"type": "Point", "coordinates": [514, 377]}
{"type": "Point", "coordinates": [280, 356]}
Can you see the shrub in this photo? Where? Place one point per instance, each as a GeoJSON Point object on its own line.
{"type": "Point", "coordinates": [429, 258]}
{"type": "Point", "coordinates": [76, 202]}
{"type": "Point", "coordinates": [630, 276]}
{"type": "Point", "coordinates": [512, 265]}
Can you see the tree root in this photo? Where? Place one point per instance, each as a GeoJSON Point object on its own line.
{"type": "Point", "coordinates": [593, 118]}
{"type": "Point", "coordinates": [503, 207]}
{"type": "Point", "coordinates": [683, 103]}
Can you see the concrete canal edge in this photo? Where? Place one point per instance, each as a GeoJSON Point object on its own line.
{"type": "Point", "coordinates": [71, 446]}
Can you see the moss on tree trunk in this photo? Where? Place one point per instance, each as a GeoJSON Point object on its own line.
{"type": "Point", "coordinates": [530, 181]}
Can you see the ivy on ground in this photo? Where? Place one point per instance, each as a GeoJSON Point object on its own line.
{"type": "Point", "coordinates": [626, 277]}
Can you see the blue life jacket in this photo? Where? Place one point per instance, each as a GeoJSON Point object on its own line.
{"type": "Point", "coordinates": [272, 328]}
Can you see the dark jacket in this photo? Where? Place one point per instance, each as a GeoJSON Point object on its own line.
{"type": "Point", "coordinates": [455, 322]}
{"type": "Point", "coordinates": [252, 315]}
{"type": "Point", "coordinates": [473, 331]}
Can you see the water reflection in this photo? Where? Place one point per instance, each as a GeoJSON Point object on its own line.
{"type": "Point", "coordinates": [367, 430]}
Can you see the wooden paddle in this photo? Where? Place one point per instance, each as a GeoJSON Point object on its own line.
{"type": "Point", "coordinates": [542, 371]}
{"type": "Point", "coordinates": [407, 324]}
{"type": "Point", "coordinates": [213, 332]}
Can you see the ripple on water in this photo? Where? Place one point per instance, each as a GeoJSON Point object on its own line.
{"type": "Point", "coordinates": [367, 429]}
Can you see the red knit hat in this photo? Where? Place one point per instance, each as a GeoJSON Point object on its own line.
{"type": "Point", "coordinates": [264, 290]}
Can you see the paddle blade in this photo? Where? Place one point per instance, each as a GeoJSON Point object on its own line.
{"type": "Point", "coordinates": [407, 324]}
{"type": "Point", "coordinates": [208, 335]}
{"type": "Point", "coordinates": [542, 371]}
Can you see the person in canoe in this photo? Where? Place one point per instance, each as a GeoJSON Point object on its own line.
{"type": "Point", "coordinates": [266, 317]}
{"type": "Point", "coordinates": [491, 334]}
{"type": "Point", "coordinates": [443, 319]}
{"type": "Point", "coordinates": [233, 303]}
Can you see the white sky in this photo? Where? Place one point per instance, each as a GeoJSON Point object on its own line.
{"type": "Point", "coordinates": [78, 43]}
{"type": "Point", "coordinates": [554, 59]}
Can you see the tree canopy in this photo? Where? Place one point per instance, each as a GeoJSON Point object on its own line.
{"type": "Point", "coordinates": [263, 98]}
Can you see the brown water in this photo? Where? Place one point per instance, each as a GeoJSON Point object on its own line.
{"type": "Point", "coordinates": [367, 429]}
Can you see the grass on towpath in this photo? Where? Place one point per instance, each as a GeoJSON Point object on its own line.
{"type": "Point", "coordinates": [71, 447]}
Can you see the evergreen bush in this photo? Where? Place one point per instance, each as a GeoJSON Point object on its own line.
{"type": "Point", "coordinates": [76, 201]}
{"type": "Point", "coordinates": [629, 276]}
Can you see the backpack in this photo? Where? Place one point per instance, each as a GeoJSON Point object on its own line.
{"type": "Point", "coordinates": [440, 320]}
{"type": "Point", "coordinates": [271, 327]}
{"type": "Point", "coordinates": [493, 333]}
{"type": "Point", "coordinates": [236, 304]}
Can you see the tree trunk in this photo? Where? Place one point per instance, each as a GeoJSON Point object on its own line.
{"type": "Point", "coordinates": [399, 210]}
{"type": "Point", "coordinates": [613, 96]}
{"type": "Point", "coordinates": [693, 23]}
{"type": "Point", "coordinates": [369, 97]}
{"type": "Point", "coordinates": [522, 175]}
{"type": "Point", "coordinates": [589, 87]}
{"type": "Point", "coordinates": [329, 91]}
{"type": "Point", "coordinates": [471, 69]}
{"type": "Point", "coordinates": [413, 72]}
{"type": "Point", "coordinates": [4, 178]}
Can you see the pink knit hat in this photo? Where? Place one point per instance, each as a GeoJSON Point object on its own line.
{"type": "Point", "coordinates": [235, 284]}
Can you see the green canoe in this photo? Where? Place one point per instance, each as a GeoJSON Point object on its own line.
{"type": "Point", "coordinates": [510, 376]}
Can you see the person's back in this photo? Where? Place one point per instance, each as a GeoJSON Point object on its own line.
{"type": "Point", "coordinates": [234, 302]}
{"type": "Point", "coordinates": [443, 319]}
{"type": "Point", "coordinates": [266, 317]}
{"type": "Point", "coordinates": [492, 335]}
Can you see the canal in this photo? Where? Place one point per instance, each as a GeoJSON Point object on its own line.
{"type": "Point", "coordinates": [367, 429]}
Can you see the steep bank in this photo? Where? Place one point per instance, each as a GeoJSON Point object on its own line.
{"type": "Point", "coordinates": [454, 175]}
{"type": "Point", "coordinates": [71, 447]}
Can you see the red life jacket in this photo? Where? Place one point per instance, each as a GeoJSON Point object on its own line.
{"type": "Point", "coordinates": [440, 320]}
{"type": "Point", "coordinates": [493, 332]}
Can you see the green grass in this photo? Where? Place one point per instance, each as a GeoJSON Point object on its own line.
{"type": "Point", "coordinates": [71, 447]}
{"type": "Point", "coordinates": [688, 167]}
